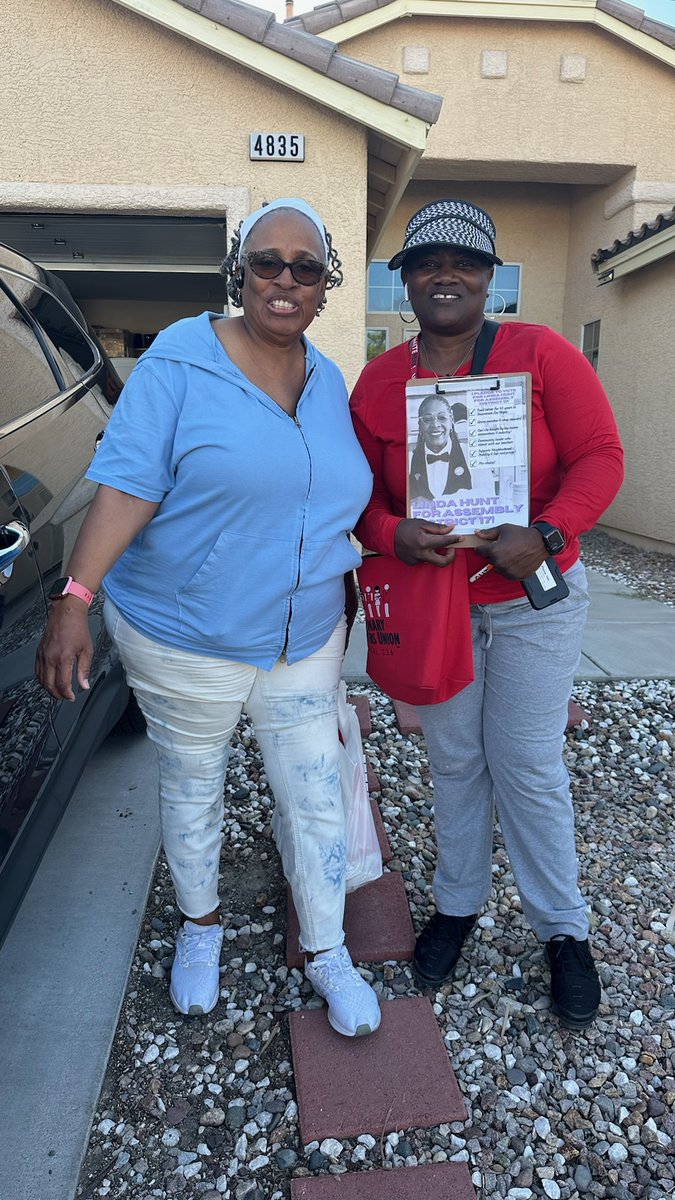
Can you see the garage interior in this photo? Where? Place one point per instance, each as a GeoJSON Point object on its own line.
{"type": "Point", "coordinates": [130, 275]}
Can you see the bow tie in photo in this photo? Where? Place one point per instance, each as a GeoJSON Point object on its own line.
{"type": "Point", "coordinates": [432, 458]}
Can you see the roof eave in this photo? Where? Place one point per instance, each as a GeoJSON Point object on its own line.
{"type": "Point", "coordinates": [577, 12]}
{"type": "Point", "coordinates": [641, 254]}
{"type": "Point", "coordinates": [401, 127]}
{"type": "Point", "coordinates": [404, 172]}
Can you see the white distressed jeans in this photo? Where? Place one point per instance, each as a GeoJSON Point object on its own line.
{"type": "Point", "coordinates": [192, 704]}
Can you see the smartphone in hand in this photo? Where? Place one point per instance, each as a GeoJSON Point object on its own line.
{"type": "Point", "coordinates": [546, 586]}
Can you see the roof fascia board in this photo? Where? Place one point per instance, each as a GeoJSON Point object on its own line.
{"type": "Point", "coordinates": [579, 12]}
{"type": "Point", "coordinates": [641, 41]}
{"type": "Point", "coordinates": [640, 255]}
{"type": "Point", "coordinates": [521, 10]}
{"type": "Point", "coordinates": [405, 170]}
{"type": "Point", "coordinates": [382, 118]}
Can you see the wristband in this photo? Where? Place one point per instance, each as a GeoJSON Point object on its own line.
{"type": "Point", "coordinates": [68, 587]}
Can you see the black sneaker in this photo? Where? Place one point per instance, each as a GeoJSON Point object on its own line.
{"type": "Point", "coordinates": [575, 987]}
{"type": "Point", "coordinates": [438, 948]}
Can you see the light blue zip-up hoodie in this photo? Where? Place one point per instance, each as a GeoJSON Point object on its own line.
{"type": "Point", "coordinates": [246, 553]}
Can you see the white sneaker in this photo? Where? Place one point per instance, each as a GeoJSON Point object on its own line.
{"type": "Point", "coordinates": [195, 980]}
{"type": "Point", "coordinates": [353, 1007]}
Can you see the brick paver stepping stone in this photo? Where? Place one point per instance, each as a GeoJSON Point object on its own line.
{"type": "Point", "coordinates": [434, 1181]}
{"type": "Point", "coordinates": [382, 838]}
{"type": "Point", "coordinates": [378, 925]}
{"type": "Point", "coordinates": [374, 784]}
{"type": "Point", "coordinates": [362, 706]}
{"type": "Point", "coordinates": [576, 714]}
{"type": "Point", "coordinates": [406, 717]}
{"type": "Point", "coordinates": [397, 1078]}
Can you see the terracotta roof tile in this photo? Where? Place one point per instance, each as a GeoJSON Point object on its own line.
{"type": "Point", "coordinates": [637, 19]}
{"type": "Point", "coordinates": [374, 81]}
{"type": "Point", "coordinates": [327, 15]}
{"type": "Point", "coordinates": [662, 33]}
{"type": "Point", "coordinates": [664, 220]}
{"type": "Point", "coordinates": [300, 43]}
{"type": "Point", "coordinates": [243, 18]}
{"type": "Point", "coordinates": [623, 12]}
{"type": "Point", "coordinates": [314, 52]}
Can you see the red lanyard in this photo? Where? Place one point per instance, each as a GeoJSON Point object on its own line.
{"type": "Point", "coordinates": [414, 355]}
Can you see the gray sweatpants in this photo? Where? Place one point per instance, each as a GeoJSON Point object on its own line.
{"type": "Point", "coordinates": [500, 740]}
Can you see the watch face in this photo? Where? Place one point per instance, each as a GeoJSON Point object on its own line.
{"type": "Point", "coordinates": [555, 541]}
{"type": "Point", "coordinates": [553, 538]}
{"type": "Point", "coordinates": [57, 588]}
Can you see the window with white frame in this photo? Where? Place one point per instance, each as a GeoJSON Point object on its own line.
{"type": "Point", "coordinates": [385, 289]}
{"type": "Point", "coordinates": [590, 343]}
{"type": "Point", "coordinates": [377, 341]}
{"type": "Point", "coordinates": [504, 291]}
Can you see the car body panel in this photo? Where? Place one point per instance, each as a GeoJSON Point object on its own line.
{"type": "Point", "coordinates": [56, 395]}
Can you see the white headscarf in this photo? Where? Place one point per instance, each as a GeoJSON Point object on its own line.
{"type": "Point", "coordinates": [293, 202]}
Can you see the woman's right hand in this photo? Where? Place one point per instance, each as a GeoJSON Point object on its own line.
{"type": "Point", "coordinates": [418, 541]}
{"type": "Point", "coordinates": [66, 643]}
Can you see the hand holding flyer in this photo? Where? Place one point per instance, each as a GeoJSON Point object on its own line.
{"type": "Point", "coordinates": [468, 451]}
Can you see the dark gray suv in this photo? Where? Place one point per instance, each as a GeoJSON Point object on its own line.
{"type": "Point", "coordinates": [57, 389]}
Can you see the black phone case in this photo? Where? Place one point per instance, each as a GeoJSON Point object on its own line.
{"type": "Point", "coordinates": [546, 586]}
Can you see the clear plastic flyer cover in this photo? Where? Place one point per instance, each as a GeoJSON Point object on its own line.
{"type": "Point", "coordinates": [468, 450]}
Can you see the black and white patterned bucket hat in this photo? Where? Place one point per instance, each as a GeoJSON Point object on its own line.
{"type": "Point", "coordinates": [452, 223]}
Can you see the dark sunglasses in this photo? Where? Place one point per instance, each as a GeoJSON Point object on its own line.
{"type": "Point", "coordinates": [266, 265]}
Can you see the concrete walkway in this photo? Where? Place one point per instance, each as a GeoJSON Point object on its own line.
{"type": "Point", "coordinates": [65, 962]}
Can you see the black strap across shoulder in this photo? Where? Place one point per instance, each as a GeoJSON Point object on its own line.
{"type": "Point", "coordinates": [483, 346]}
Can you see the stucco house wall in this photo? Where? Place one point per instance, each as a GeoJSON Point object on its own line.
{"type": "Point", "coordinates": [637, 367]}
{"type": "Point", "coordinates": [564, 168]}
{"type": "Point", "coordinates": [93, 94]}
{"type": "Point", "coordinates": [531, 116]}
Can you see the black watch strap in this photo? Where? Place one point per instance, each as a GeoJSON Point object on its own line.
{"type": "Point", "coordinates": [554, 540]}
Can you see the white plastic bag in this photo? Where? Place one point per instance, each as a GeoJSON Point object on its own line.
{"type": "Point", "coordinates": [364, 857]}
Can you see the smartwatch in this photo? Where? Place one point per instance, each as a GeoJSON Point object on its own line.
{"type": "Point", "coordinates": [553, 538]}
{"type": "Point", "coordinates": [68, 587]}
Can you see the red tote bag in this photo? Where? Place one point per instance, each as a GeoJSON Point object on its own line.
{"type": "Point", "coordinates": [418, 628]}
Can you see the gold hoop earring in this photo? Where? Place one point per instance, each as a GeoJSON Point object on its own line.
{"type": "Point", "coordinates": [406, 300]}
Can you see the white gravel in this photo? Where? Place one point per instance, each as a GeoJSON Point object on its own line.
{"type": "Point", "coordinates": [206, 1108]}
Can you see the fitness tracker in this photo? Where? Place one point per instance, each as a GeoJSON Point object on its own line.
{"type": "Point", "coordinates": [553, 538]}
{"type": "Point", "coordinates": [68, 587]}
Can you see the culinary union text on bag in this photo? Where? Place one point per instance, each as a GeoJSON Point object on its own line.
{"type": "Point", "coordinates": [418, 628]}
{"type": "Point", "coordinates": [364, 857]}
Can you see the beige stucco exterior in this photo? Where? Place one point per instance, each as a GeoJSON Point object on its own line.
{"type": "Point", "coordinates": [637, 367]}
{"type": "Point", "coordinates": [560, 127]}
{"type": "Point", "coordinates": [530, 123]}
{"type": "Point", "coordinates": [115, 99]}
{"type": "Point", "coordinates": [564, 167]}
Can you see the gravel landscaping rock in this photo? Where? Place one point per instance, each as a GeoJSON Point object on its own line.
{"type": "Point", "coordinates": [205, 1107]}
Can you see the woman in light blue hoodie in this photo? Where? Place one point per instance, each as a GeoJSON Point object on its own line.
{"type": "Point", "coordinates": [230, 478]}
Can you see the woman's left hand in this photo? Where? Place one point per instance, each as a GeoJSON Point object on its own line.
{"type": "Point", "coordinates": [513, 551]}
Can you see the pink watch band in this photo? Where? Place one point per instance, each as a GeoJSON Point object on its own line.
{"type": "Point", "coordinates": [78, 589]}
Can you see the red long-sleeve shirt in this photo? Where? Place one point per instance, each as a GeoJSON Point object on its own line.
{"type": "Point", "coordinates": [576, 457]}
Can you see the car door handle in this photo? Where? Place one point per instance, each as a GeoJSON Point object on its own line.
{"type": "Point", "coordinates": [14, 537]}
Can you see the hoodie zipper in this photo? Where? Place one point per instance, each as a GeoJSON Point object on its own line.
{"type": "Point", "coordinates": [296, 585]}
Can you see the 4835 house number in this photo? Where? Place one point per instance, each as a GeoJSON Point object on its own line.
{"type": "Point", "coordinates": [269, 146]}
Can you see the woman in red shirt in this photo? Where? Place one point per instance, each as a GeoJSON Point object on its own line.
{"type": "Point", "coordinates": [500, 739]}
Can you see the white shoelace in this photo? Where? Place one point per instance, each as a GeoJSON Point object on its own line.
{"type": "Point", "coordinates": [195, 949]}
{"type": "Point", "coordinates": [336, 972]}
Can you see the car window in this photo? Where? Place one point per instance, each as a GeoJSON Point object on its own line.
{"type": "Point", "coordinates": [43, 350]}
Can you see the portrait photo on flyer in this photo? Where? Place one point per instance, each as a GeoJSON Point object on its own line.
{"type": "Point", "coordinates": [468, 443]}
